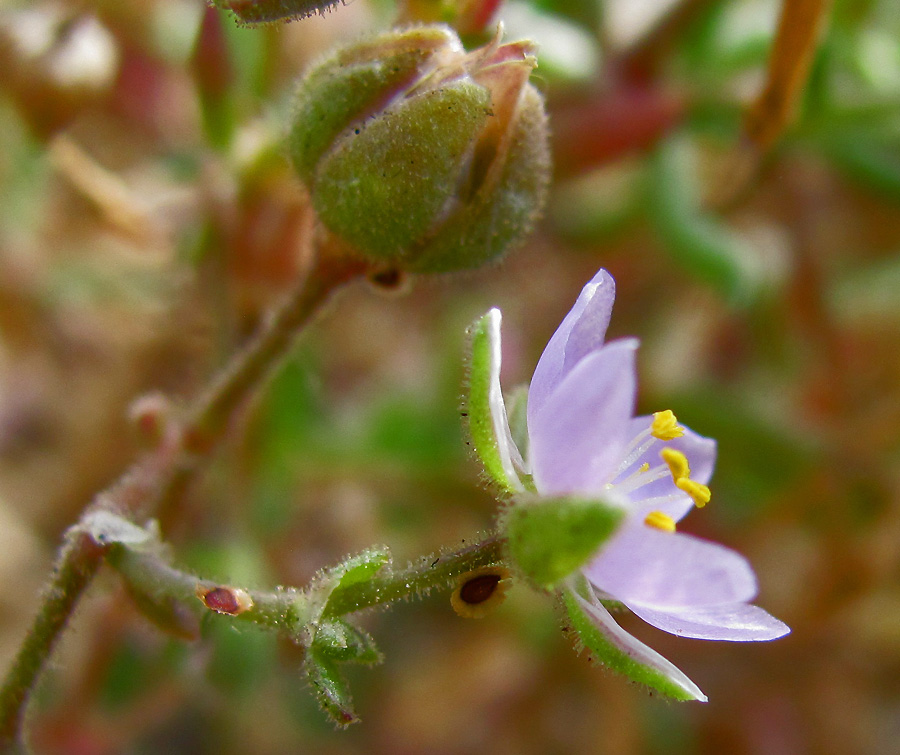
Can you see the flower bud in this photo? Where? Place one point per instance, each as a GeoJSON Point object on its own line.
{"type": "Point", "coordinates": [420, 155]}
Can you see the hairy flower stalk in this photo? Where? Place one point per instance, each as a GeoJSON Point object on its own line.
{"type": "Point", "coordinates": [597, 498]}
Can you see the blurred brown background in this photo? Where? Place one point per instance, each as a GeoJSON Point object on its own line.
{"type": "Point", "coordinates": [149, 220]}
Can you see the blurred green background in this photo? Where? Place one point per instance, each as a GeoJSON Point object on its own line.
{"type": "Point", "coordinates": [149, 220]}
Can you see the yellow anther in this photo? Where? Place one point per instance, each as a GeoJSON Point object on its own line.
{"type": "Point", "coordinates": [665, 426]}
{"type": "Point", "coordinates": [660, 521]}
{"type": "Point", "coordinates": [699, 493]}
{"type": "Point", "coordinates": [677, 463]}
{"type": "Point", "coordinates": [645, 467]}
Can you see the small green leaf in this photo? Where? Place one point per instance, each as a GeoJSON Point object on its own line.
{"type": "Point", "coordinates": [550, 538]}
{"type": "Point", "coordinates": [341, 641]}
{"type": "Point", "coordinates": [331, 583]}
{"type": "Point", "coordinates": [330, 688]}
{"type": "Point", "coordinates": [361, 567]}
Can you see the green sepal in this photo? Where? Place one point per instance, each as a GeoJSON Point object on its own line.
{"type": "Point", "coordinates": [353, 83]}
{"type": "Point", "coordinates": [383, 185]}
{"type": "Point", "coordinates": [482, 369]}
{"type": "Point", "coordinates": [253, 12]}
{"type": "Point", "coordinates": [504, 208]}
{"type": "Point", "coordinates": [341, 641]}
{"type": "Point", "coordinates": [549, 538]}
{"type": "Point", "coordinates": [330, 688]}
{"type": "Point", "coordinates": [604, 651]}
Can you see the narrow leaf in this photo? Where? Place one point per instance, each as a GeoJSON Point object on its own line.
{"type": "Point", "coordinates": [341, 641]}
{"type": "Point", "coordinates": [330, 688]}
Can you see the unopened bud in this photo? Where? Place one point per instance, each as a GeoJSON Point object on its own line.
{"type": "Point", "coordinates": [420, 155]}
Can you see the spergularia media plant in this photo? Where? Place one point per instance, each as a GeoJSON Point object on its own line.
{"type": "Point", "coordinates": [420, 156]}
{"type": "Point", "coordinates": [595, 494]}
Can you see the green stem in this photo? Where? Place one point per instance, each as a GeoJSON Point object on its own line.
{"type": "Point", "coordinates": [208, 420]}
{"type": "Point", "coordinates": [78, 563]}
{"type": "Point", "coordinates": [281, 609]}
{"type": "Point", "coordinates": [419, 579]}
{"type": "Point", "coordinates": [151, 485]}
{"type": "Point", "coordinates": [148, 573]}
{"type": "Point", "coordinates": [251, 367]}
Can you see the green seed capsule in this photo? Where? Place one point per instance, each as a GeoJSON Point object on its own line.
{"type": "Point", "coordinates": [420, 155]}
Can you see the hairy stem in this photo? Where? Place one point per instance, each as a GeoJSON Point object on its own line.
{"type": "Point", "coordinates": [152, 576]}
{"type": "Point", "coordinates": [209, 418]}
{"type": "Point", "coordinates": [79, 562]}
{"type": "Point", "coordinates": [418, 579]}
{"type": "Point", "coordinates": [151, 485]}
{"type": "Point", "coordinates": [283, 609]}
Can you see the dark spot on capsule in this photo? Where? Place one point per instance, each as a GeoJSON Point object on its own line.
{"type": "Point", "coordinates": [479, 589]}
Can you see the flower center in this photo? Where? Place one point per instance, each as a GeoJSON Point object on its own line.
{"type": "Point", "coordinates": [628, 479]}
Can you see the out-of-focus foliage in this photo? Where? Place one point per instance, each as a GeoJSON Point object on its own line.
{"type": "Point", "coordinates": [148, 221]}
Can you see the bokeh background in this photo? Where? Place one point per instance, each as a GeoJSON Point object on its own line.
{"type": "Point", "coordinates": [148, 221]}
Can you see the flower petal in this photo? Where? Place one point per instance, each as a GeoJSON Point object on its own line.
{"type": "Point", "coordinates": [738, 622]}
{"type": "Point", "coordinates": [489, 433]}
{"type": "Point", "coordinates": [506, 447]}
{"type": "Point", "coordinates": [670, 570]}
{"type": "Point", "coordinates": [638, 658]}
{"type": "Point", "coordinates": [576, 439]}
{"type": "Point", "coordinates": [581, 332]}
{"type": "Point", "coordinates": [701, 455]}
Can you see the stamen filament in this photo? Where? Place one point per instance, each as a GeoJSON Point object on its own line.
{"type": "Point", "coordinates": [645, 467]}
{"type": "Point", "coordinates": [660, 500]}
{"type": "Point", "coordinates": [635, 451]}
{"type": "Point", "coordinates": [640, 479]}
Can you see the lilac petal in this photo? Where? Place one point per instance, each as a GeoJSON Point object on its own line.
{"type": "Point", "coordinates": [738, 622]}
{"type": "Point", "coordinates": [576, 440]}
{"type": "Point", "coordinates": [701, 455]}
{"type": "Point", "coordinates": [636, 649]}
{"type": "Point", "coordinates": [506, 447]}
{"type": "Point", "coordinates": [581, 332]}
{"type": "Point", "coordinates": [670, 570]}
